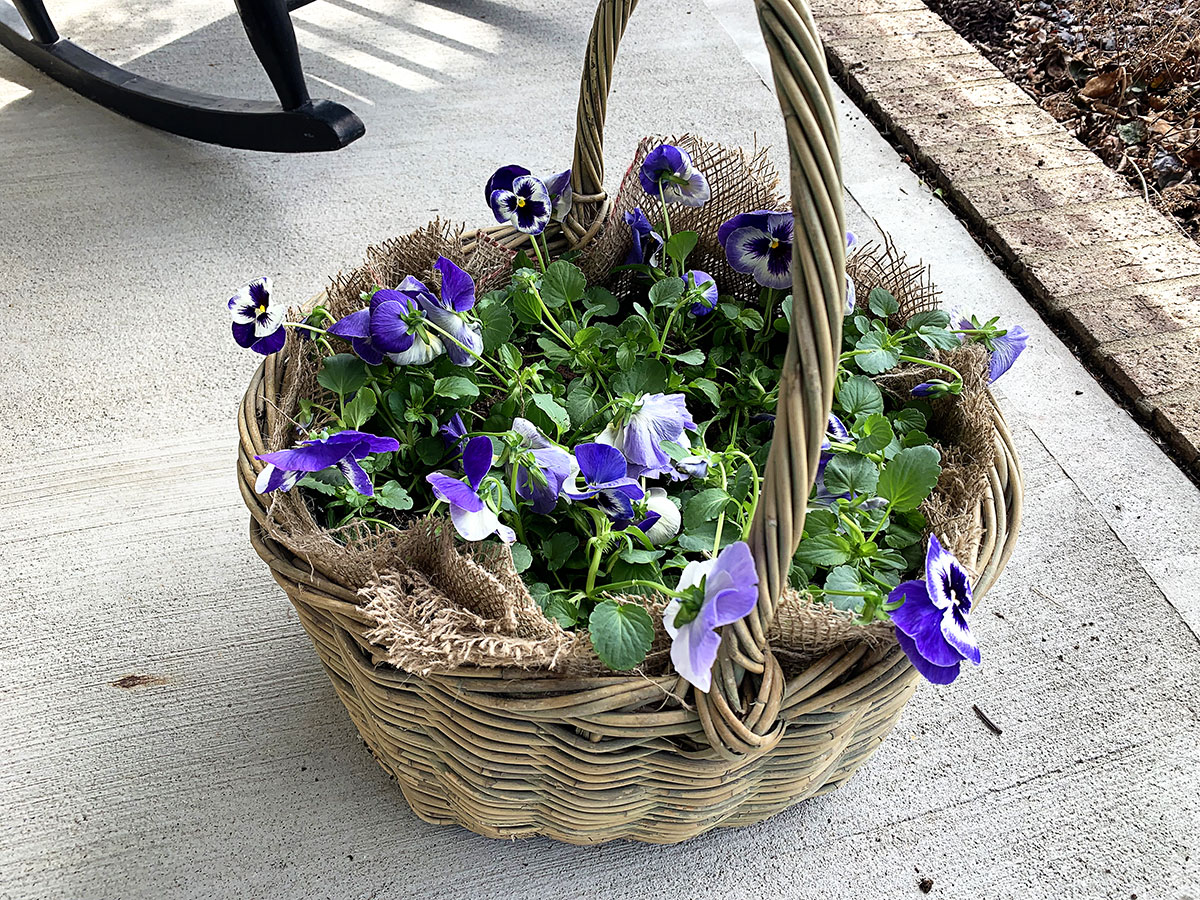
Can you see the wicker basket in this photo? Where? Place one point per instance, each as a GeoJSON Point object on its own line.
{"type": "Point", "coordinates": [585, 760]}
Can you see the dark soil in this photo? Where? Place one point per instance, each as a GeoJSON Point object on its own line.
{"type": "Point", "coordinates": [1122, 75]}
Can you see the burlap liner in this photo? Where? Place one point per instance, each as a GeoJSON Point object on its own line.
{"type": "Point", "coordinates": [441, 604]}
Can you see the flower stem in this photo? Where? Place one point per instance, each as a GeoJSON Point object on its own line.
{"type": "Point", "coordinates": [537, 251]}
{"type": "Point", "coordinates": [444, 333]}
{"type": "Point", "coordinates": [721, 517]}
{"type": "Point", "coordinates": [640, 582]}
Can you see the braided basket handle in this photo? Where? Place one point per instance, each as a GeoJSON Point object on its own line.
{"type": "Point", "coordinates": [819, 295]}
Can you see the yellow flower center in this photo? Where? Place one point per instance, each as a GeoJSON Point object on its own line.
{"type": "Point", "coordinates": [262, 308]}
{"type": "Point", "coordinates": [774, 243]}
{"type": "Point", "coordinates": [520, 202]}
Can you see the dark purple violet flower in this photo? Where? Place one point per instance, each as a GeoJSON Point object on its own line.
{"type": "Point", "coordinates": [606, 478]}
{"type": "Point", "coordinates": [343, 450]}
{"type": "Point", "coordinates": [408, 306]}
{"type": "Point", "coordinates": [526, 205]}
{"type": "Point", "coordinates": [257, 319]}
{"type": "Point", "coordinates": [933, 389]}
{"type": "Point", "coordinates": [761, 246]}
{"type": "Point", "coordinates": [502, 180]}
{"type": "Point", "coordinates": [640, 431]}
{"type": "Point", "coordinates": [703, 288]}
{"type": "Point", "coordinates": [668, 170]}
{"type": "Point", "coordinates": [543, 467]}
{"type": "Point", "coordinates": [647, 243]}
{"type": "Point", "coordinates": [452, 432]}
{"type": "Point", "coordinates": [837, 431]}
{"type": "Point", "coordinates": [716, 592]}
{"type": "Point", "coordinates": [473, 519]}
{"type": "Point", "coordinates": [931, 622]}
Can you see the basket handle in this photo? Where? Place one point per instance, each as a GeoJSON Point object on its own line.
{"type": "Point", "coordinates": [805, 95]}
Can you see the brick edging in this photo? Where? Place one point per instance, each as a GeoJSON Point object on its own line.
{"type": "Point", "coordinates": [1102, 262]}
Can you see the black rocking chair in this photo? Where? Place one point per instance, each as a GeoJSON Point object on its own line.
{"type": "Point", "coordinates": [298, 125]}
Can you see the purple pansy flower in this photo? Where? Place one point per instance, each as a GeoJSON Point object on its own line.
{"type": "Point", "coordinates": [639, 434]}
{"type": "Point", "coordinates": [392, 326]}
{"type": "Point", "coordinates": [606, 478]}
{"type": "Point", "coordinates": [257, 319]}
{"type": "Point", "coordinates": [704, 288]}
{"type": "Point", "coordinates": [519, 199]}
{"type": "Point", "coordinates": [931, 623]}
{"type": "Point", "coordinates": [543, 467]}
{"type": "Point", "coordinates": [717, 592]}
{"type": "Point", "coordinates": [692, 466]}
{"type": "Point", "coordinates": [344, 449]}
{"type": "Point", "coordinates": [759, 244]}
{"type": "Point", "coordinates": [647, 243]}
{"type": "Point", "coordinates": [356, 328]}
{"type": "Point", "coordinates": [1003, 350]}
{"type": "Point", "coordinates": [837, 431]}
{"type": "Point", "coordinates": [473, 519]}
{"type": "Point", "coordinates": [668, 170]}
{"type": "Point", "coordinates": [453, 431]}
{"type": "Point", "coordinates": [561, 196]}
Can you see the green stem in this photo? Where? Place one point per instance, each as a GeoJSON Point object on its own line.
{"type": "Point", "coordinates": [537, 251]}
{"type": "Point", "coordinates": [444, 333]}
{"type": "Point", "coordinates": [886, 512]}
{"type": "Point", "coordinates": [519, 526]}
{"type": "Point", "coordinates": [639, 582]}
{"type": "Point", "coordinates": [721, 517]}
{"type": "Point", "coordinates": [754, 490]}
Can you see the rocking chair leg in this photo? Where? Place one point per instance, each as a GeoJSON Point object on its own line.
{"type": "Point", "coordinates": [269, 27]}
{"type": "Point", "coordinates": [37, 20]}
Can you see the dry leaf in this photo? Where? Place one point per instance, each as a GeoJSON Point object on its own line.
{"type": "Point", "coordinates": [1101, 85]}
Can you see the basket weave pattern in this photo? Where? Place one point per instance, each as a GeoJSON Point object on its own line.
{"type": "Point", "coordinates": [512, 753]}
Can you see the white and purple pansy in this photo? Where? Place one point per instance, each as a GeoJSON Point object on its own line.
{"type": "Point", "coordinates": [343, 450]}
{"type": "Point", "coordinates": [257, 319]}
{"type": "Point", "coordinates": [561, 196]}
{"type": "Point", "coordinates": [407, 306]}
{"type": "Point", "coordinates": [759, 244]}
{"type": "Point", "coordinates": [931, 621]}
{"type": "Point", "coordinates": [463, 338]}
{"type": "Point", "coordinates": [837, 431]}
{"type": "Point", "coordinates": [646, 244]}
{"type": "Point", "coordinates": [640, 430]}
{"type": "Point", "coordinates": [715, 592]}
{"type": "Point", "coordinates": [702, 290]}
{"type": "Point", "coordinates": [667, 172]}
{"type": "Point", "coordinates": [519, 199]}
{"type": "Point", "coordinates": [473, 519]}
{"type": "Point", "coordinates": [606, 478]}
{"type": "Point", "coordinates": [356, 328]}
{"type": "Point", "coordinates": [663, 518]}
{"type": "Point", "coordinates": [543, 467]}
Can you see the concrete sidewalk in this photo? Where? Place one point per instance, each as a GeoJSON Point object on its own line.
{"type": "Point", "coordinates": [227, 768]}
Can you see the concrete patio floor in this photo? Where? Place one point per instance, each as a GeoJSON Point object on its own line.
{"type": "Point", "coordinates": [228, 768]}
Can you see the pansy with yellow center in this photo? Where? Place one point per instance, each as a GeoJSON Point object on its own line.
{"type": "Point", "coordinates": [257, 319]}
{"type": "Point", "coordinates": [522, 200]}
{"type": "Point", "coordinates": [759, 244]}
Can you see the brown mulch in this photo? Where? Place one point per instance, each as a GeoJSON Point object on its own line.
{"type": "Point", "coordinates": [1122, 75]}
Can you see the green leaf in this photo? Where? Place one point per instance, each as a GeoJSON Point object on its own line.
{"type": "Point", "coordinates": [641, 556]}
{"type": "Point", "coordinates": [751, 319]}
{"type": "Point", "coordinates": [939, 338]}
{"type": "Point", "coordinates": [456, 387]}
{"type": "Point", "coordinates": [510, 357]}
{"type": "Point", "coordinates": [559, 608]}
{"type": "Point", "coordinates": [824, 550]}
{"type": "Point", "coordinates": [495, 321]}
{"type": "Point", "coordinates": [882, 303]}
{"type": "Point", "coordinates": [704, 507]}
{"type": "Point", "coordinates": [691, 358]}
{"type": "Point", "coordinates": [849, 473]}
{"type": "Point", "coordinates": [522, 557]}
{"type": "Point", "coordinates": [392, 495]}
{"type": "Point", "coordinates": [360, 409]}
{"type": "Point", "coordinates": [819, 521]}
{"type": "Point", "coordinates": [845, 578]}
{"type": "Point", "coordinates": [681, 244]}
{"type": "Point", "coordinates": [879, 356]}
{"type": "Point", "coordinates": [562, 283]}
{"type": "Point", "coordinates": [626, 356]}
{"type": "Point", "coordinates": [526, 306]}
{"type": "Point", "coordinates": [709, 389]}
{"type": "Point", "coordinates": [554, 410]}
{"type": "Point", "coordinates": [622, 634]}
{"type": "Point", "coordinates": [874, 432]}
{"type": "Point", "coordinates": [860, 396]}
{"type": "Point", "coordinates": [601, 302]}
{"type": "Point", "coordinates": [430, 450]}
{"type": "Point", "coordinates": [343, 374]}
{"type": "Point", "coordinates": [908, 419]}
{"type": "Point", "coordinates": [930, 318]}
{"type": "Point", "coordinates": [645, 376]}
{"type": "Point", "coordinates": [558, 549]}
{"type": "Point", "coordinates": [909, 477]}
{"type": "Point", "coordinates": [581, 403]}
{"type": "Point", "coordinates": [666, 292]}
{"type": "Point", "coordinates": [904, 531]}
